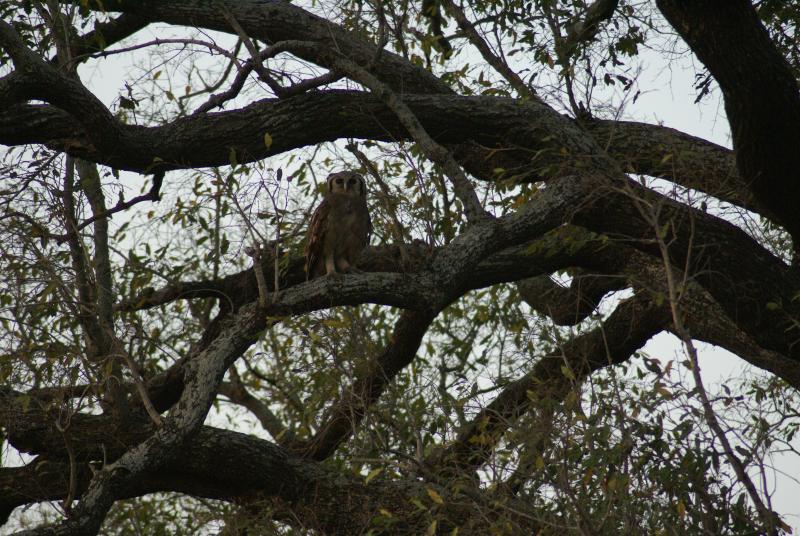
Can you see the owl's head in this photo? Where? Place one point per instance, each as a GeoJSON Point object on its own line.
{"type": "Point", "coordinates": [347, 182]}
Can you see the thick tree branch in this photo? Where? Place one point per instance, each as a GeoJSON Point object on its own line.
{"type": "Point", "coordinates": [238, 289]}
{"type": "Point", "coordinates": [706, 319]}
{"type": "Point", "coordinates": [40, 80]}
{"type": "Point", "coordinates": [272, 22]}
{"type": "Point", "coordinates": [304, 120]}
{"type": "Point", "coordinates": [709, 247]}
{"type": "Point", "coordinates": [670, 154]}
{"type": "Point", "coordinates": [761, 96]}
{"type": "Point", "coordinates": [567, 306]}
{"type": "Point", "coordinates": [202, 378]}
{"type": "Point", "coordinates": [305, 493]}
{"type": "Point", "coordinates": [276, 22]}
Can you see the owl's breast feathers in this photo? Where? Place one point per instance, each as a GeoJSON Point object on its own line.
{"type": "Point", "coordinates": [353, 215]}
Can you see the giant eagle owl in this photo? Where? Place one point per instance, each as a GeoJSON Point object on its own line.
{"type": "Point", "coordinates": [340, 227]}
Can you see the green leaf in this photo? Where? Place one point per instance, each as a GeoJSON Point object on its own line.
{"type": "Point", "coordinates": [372, 474]}
{"type": "Point", "coordinates": [567, 372]}
{"type": "Point", "coordinates": [434, 495]}
{"type": "Point", "coordinates": [127, 103]}
{"type": "Point", "coordinates": [432, 528]}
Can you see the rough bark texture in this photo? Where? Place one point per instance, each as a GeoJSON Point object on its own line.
{"type": "Point", "coordinates": [761, 96]}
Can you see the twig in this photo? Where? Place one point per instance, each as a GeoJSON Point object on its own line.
{"type": "Point", "coordinates": [483, 47]}
{"type": "Point", "coordinates": [104, 34]}
{"type": "Point", "coordinates": [255, 55]}
{"type": "Point", "coordinates": [232, 61]}
{"type": "Point", "coordinates": [563, 52]}
{"type": "Point", "coordinates": [383, 36]}
{"type": "Point", "coordinates": [73, 468]}
{"type": "Point", "coordinates": [261, 282]}
{"type": "Point", "coordinates": [276, 247]}
{"type": "Point", "coordinates": [255, 63]}
{"type": "Point", "coordinates": [255, 251]}
{"type": "Point", "coordinates": [397, 227]}
{"type": "Point", "coordinates": [675, 291]}
{"type": "Point", "coordinates": [158, 42]}
{"type": "Point", "coordinates": [153, 195]}
{"type": "Point", "coordinates": [140, 386]}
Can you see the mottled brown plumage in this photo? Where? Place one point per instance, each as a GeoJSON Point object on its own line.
{"type": "Point", "coordinates": [340, 226]}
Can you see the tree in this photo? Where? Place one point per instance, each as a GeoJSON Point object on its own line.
{"type": "Point", "coordinates": [452, 385]}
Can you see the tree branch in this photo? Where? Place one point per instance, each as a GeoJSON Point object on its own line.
{"type": "Point", "coordinates": [506, 133]}
{"type": "Point", "coordinates": [153, 195]}
{"type": "Point", "coordinates": [731, 41]}
{"type": "Point", "coordinates": [43, 81]}
{"type": "Point", "coordinates": [567, 306]}
{"type": "Point", "coordinates": [202, 378]}
{"type": "Point", "coordinates": [303, 493]}
{"type": "Point", "coordinates": [272, 22]}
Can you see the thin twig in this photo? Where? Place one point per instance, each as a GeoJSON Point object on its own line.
{"type": "Point", "coordinates": [383, 36]}
{"type": "Point", "coordinates": [768, 517]}
{"type": "Point", "coordinates": [153, 195]}
{"type": "Point", "coordinates": [140, 386]}
{"type": "Point", "coordinates": [255, 252]}
{"type": "Point", "coordinates": [483, 47]}
{"type": "Point", "coordinates": [255, 63]}
{"type": "Point", "coordinates": [398, 229]}
{"type": "Point", "coordinates": [261, 281]}
{"type": "Point", "coordinates": [158, 42]}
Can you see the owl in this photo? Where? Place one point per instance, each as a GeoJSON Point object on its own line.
{"type": "Point", "coordinates": [340, 227]}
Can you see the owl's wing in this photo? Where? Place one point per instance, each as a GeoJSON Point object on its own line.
{"type": "Point", "coordinates": [316, 237]}
{"type": "Point", "coordinates": [370, 228]}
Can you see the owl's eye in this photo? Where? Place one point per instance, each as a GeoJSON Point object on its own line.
{"type": "Point", "coordinates": [339, 181]}
{"type": "Point", "coordinates": [351, 182]}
